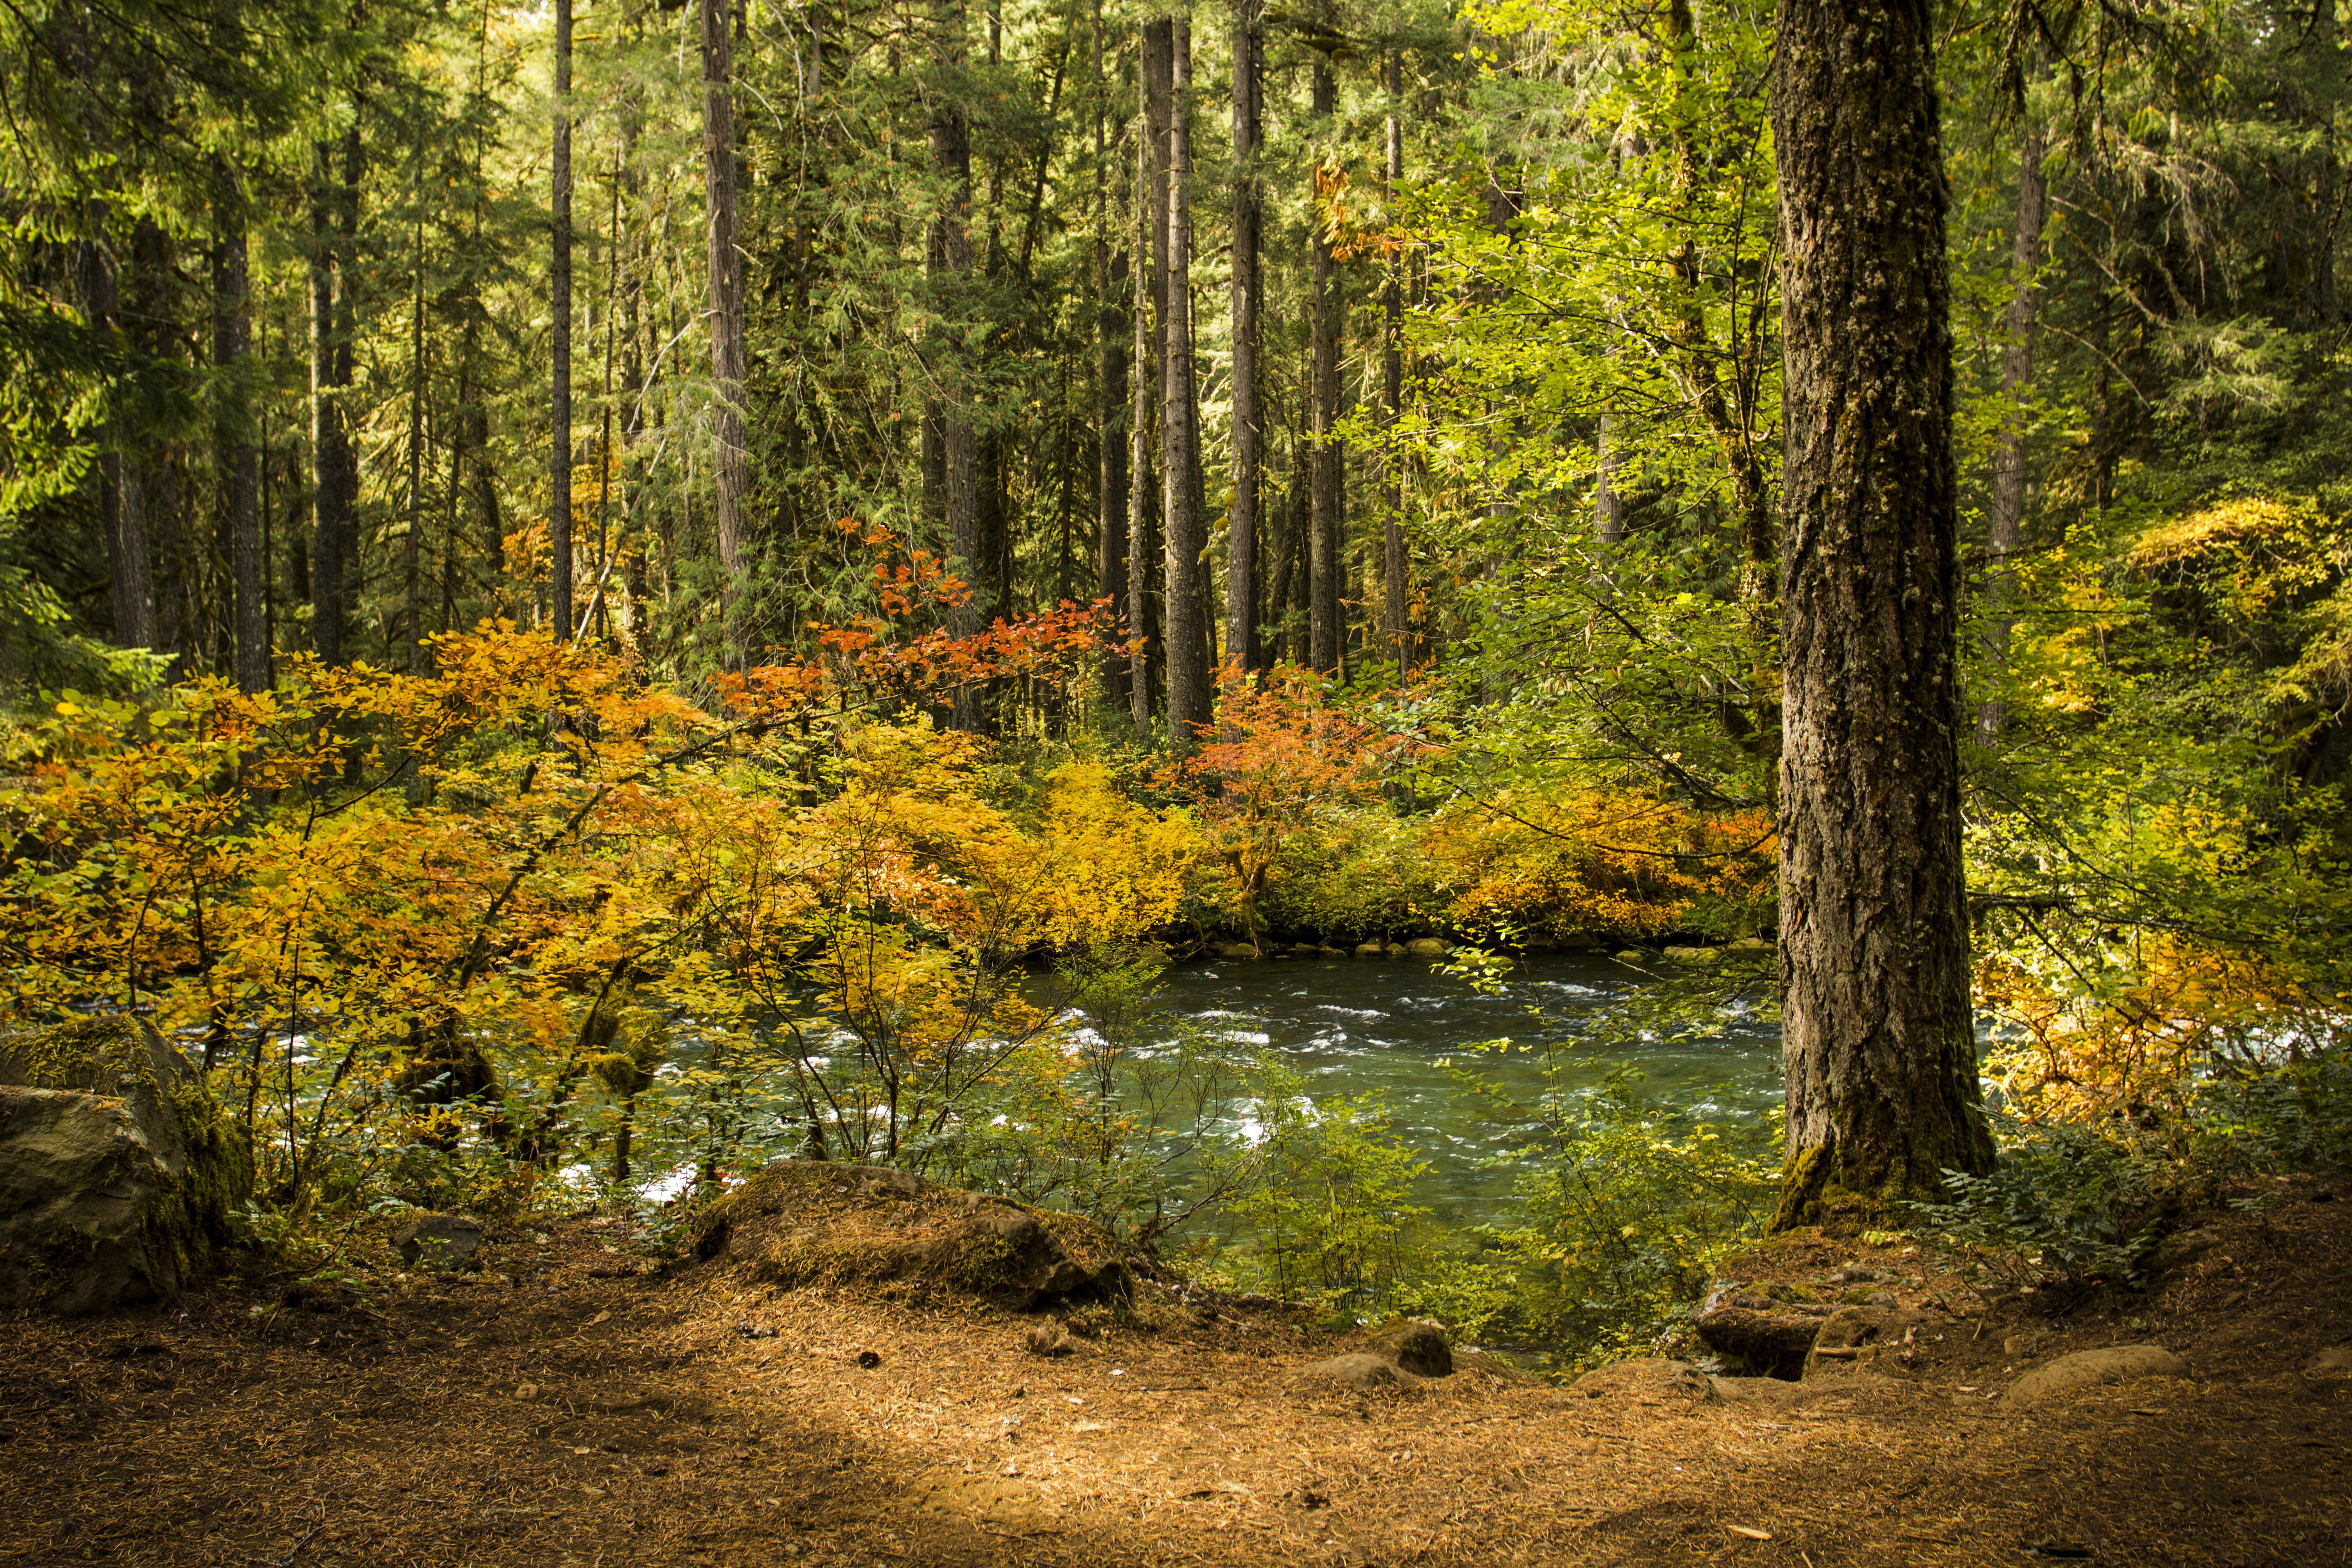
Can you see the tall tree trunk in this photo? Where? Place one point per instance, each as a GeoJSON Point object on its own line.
{"type": "Point", "coordinates": [559, 277]}
{"type": "Point", "coordinates": [1608, 502]}
{"type": "Point", "coordinates": [411, 562]}
{"type": "Point", "coordinates": [2008, 498]}
{"type": "Point", "coordinates": [334, 473]}
{"type": "Point", "coordinates": [1879, 1052]}
{"type": "Point", "coordinates": [129, 577]}
{"type": "Point", "coordinates": [1111, 386]}
{"type": "Point", "coordinates": [1241, 526]}
{"type": "Point", "coordinates": [1396, 615]}
{"type": "Point", "coordinates": [1150, 263]}
{"type": "Point", "coordinates": [731, 462]}
{"type": "Point", "coordinates": [239, 460]}
{"type": "Point", "coordinates": [1327, 633]}
{"type": "Point", "coordinates": [1188, 669]}
{"type": "Point", "coordinates": [959, 437]}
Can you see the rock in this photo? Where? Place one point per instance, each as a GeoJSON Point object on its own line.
{"type": "Point", "coordinates": [1648, 1380]}
{"type": "Point", "coordinates": [800, 1222]}
{"type": "Point", "coordinates": [1631, 955]}
{"type": "Point", "coordinates": [1362, 1372]}
{"type": "Point", "coordinates": [1428, 947]}
{"type": "Point", "coordinates": [1690, 955]}
{"type": "Point", "coordinates": [1371, 949]}
{"type": "Point", "coordinates": [2070, 1374]}
{"type": "Point", "coordinates": [1764, 1335]}
{"type": "Point", "coordinates": [1749, 945]}
{"type": "Point", "coordinates": [1854, 1336]}
{"type": "Point", "coordinates": [2333, 1362]}
{"type": "Point", "coordinates": [120, 1172]}
{"type": "Point", "coordinates": [438, 1241]}
{"type": "Point", "coordinates": [1399, 949]}
{"type": "Point", "coordinates": [2180, 1249]}
{"type": "Point", "coordinates": [1235, 951]}
{"type": "Point", "coordinates": [1418, 1347]}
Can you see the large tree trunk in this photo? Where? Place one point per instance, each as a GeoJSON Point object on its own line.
{"type": "Point", "coordinates": [1151, 269]}
{"type": "Point", "coordinates": [334, 476]}
{"type": "Point", "coordinates": [1327, 633]}
{"type": "Point", "coordinates": [1188, 665]}
{"type": "Point", "coordinates": [1396, 596]}
{"type": "Point", "coordinates": [240, 462]}
{"type": "Point", "coordinates": [730, 461]}
{"type": "Point", "coordinates": [1879, 1051]}
{"type": "Point", "coordinates": [1110, 388]}
{"type": "Point", "coordinates": [129, 577]}
{"type": "Point", "coordinates": [559, 277]}
{"type": "Point", "coordinates": [959, 437]}
{"type": "Point", "coordinates": [1241, 525]}
{"type": "Point", "coordinates": [2008, 498]}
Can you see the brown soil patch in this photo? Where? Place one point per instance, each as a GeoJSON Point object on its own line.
{"type": "Point", "coordinates": [563, 1409]}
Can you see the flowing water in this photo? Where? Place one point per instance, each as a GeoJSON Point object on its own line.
{"type": "Point", "coordinates": [1401, 1032]}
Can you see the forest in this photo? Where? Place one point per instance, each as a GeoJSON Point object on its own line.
{"type": "Point", "coordinates": [596, 594]}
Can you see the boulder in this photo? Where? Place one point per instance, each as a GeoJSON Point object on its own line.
{"type": "Point", "coordinates": [1630, 955]}
{"type": "Point", "coordinates": [1763, 1334]}
{"type": "Point", "coordinates": [1363, 1372]}
{"type": "Point", "coordinates": [805, 1222]}
{"type": "Point", "coordinates": [1748, 944]}
{"type": "Point", "coordinates": [1371, 949]}
{"type": "Point", "coordinates": [1690, 955]}
{"type": "Point", "coordinates": [438, 1241]}
{"type": "Point", "coordinates": [1428, 947]}
{"type": "Point", "coordinates": [1399, 949]}
{"type": "Point", "coordinates": [1648, 1380]}
{"type": "Point", "coordinates": [1235, 951]}
{"type": "Point", "coordinates": [2070, 1374]}
{"type": "Point", "coordinates": [120, 1172]}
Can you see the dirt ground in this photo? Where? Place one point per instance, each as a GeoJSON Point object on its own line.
{"type": "Point", "coordinates": [563, 1408]}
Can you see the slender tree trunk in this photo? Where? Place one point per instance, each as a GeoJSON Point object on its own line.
{"type": "Point", "coordinates": [1396, 615]}
{"type": "Point", "coordinates": [959, 437]}
{"type": "Point", "coordinates": [1149, 262]}
{"type": "Point", "coordinates": [1241, 526]}
{"type": "Point", "coordinates": [411, 562]}
{"type": "Point", "coordinates": [2008, 498]}
{"type": "Point", "coordinates": [1188, 671]}
{"type": "Point", "coordinates": [1877, 1040]}
{"type": "Point", "coordinates": [1608, 504]}
{"type": "Point", "coordinates": [731, 460]}
{"type": "Point", "coordinates": [129, 577]}
{"type": "Point", "coordinates": [1110, 387]}
{"type": "Point", "coordinates": [559, 272]}
{"type": "Point", "coordinates": [1327, 633]}
{"type": "Point", "coordinates": [334, 478]}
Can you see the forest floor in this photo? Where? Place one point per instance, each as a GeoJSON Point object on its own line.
{"type": "Point", "coordinates": [563, 1408]}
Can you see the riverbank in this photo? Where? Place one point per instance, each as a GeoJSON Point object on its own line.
{"type": "Point", "coordinates": [564, 1406]}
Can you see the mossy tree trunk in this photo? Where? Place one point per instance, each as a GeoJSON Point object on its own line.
{"type": "Point", "coordinates": [1880, 1056]}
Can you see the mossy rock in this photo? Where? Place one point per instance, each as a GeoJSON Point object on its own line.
{"type": "Point", "coordinates": [119, 1172]}
{"type": "Point", "coordinates": [807, 1222]}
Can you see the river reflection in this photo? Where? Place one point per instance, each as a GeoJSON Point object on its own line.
{"type": "Point", "coordinates": [1397, 1029]}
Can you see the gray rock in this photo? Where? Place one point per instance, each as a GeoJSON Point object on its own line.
{"type": "Point", "coordinates": [2071, 1374]}
{"type": "Point", "coordinates": [440, 1241]}
{"type": "Point", "coordinates": [119, 1174]}
{"type": "Point", "coordinates": [1428, 947]}
{"type": "Point", "coordinates": [1362, 1372]}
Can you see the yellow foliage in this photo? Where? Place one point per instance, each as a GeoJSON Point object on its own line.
{"type": "Point", "coordinates": [2250, 554]}
{"type": "Point", "coordinates": [1111, 869]}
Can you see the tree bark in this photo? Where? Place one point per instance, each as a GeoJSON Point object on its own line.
{"type": "Point", "coordinates": [240, 462]}
{"type": "Point", "coordinates": [334, 473]}
{"type": "Point", "coordinates": [731, 462]}
{"type": "Point", "coordinates": [1150, 259]}
{"type": "Point", "coordinates": [559, 277]}
{"type": "Point", "coordinates": [1188, 665]}
{"type": "Point", "coordinates": [1878, 1047]}
{"type": "Point", "coordinates": [1327, 633]}
{"type": "Point", "coordinates": [130, 580]}
{"type": "Point", "coordinates": [950, 139]}
{"type": "Point", "coordinates": [1110, 387]}
{"type": "Point", "coordinates": [1242, 528]}
{"type": "Point", "coordinates": [1396, 596]}
{"type": "Point", "coordinates": [2008, 498]}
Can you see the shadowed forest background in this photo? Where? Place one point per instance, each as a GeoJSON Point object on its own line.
{"type": "Point", "coordinates": [603, 596]}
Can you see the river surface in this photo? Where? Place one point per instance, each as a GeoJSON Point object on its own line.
{"type": "Point", "coordinates": [1398, 1031]}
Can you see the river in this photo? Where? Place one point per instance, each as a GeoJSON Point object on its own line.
{"type": "Point", "coordinates": [1402, 1031]}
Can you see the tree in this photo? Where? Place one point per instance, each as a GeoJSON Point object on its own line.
{"type": "Point", "coordinates": [1241, 529]}
{"type": "Point", "coordinates": [1878, 1039]}
{"type": "Point", "coordinates": [732, 462]}
{"type": "Point", "coordinates": [559, 275]}
{"type": "Point", "coordinates": [1186, 531]}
